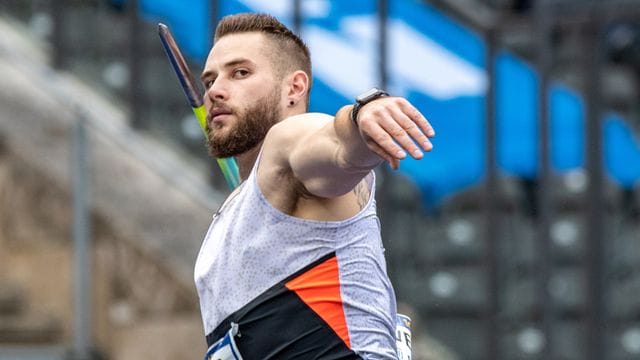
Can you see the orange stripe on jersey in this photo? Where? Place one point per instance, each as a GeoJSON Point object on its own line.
{"type": "Point", "coordinates": [319, 288]}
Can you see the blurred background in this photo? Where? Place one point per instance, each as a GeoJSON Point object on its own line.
{"type": "Point", "coordinates": [518, 237]}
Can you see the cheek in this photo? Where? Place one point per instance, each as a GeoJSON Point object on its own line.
{"type": "Point", "coordinates": [246, 93]}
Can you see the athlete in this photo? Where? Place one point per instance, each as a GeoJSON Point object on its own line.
{"type": "Point", "coordinates": [292, 266]}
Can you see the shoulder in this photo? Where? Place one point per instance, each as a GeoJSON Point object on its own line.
{"type": "Point", "coordinates": [284, 138]}
{"type": "Point", "coordinates": [275, 175]}
{"type": "Point", "coordinates": [293, 128]}
{"type": "Point", "coordinates": [290, 134]}
{"type": "Point", "coordinates": [287, 135]}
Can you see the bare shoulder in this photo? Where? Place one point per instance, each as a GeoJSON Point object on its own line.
{"type": "Point", "coordinates": [275, 176]}
{"type": "Point", "coordinates": [295, 157]}
{"type": "Point", "coordinates": [286, 135]}
{"type": "Point", "coordinates": [290, 130]}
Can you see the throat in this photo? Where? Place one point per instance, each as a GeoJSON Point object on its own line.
{"type": "Point", "coordinates": [247, 160]}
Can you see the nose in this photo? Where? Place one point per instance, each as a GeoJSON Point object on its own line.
{"type": "Point", "coordinates": [217, 91]}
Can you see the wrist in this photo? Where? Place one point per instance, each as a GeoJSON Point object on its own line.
{"type": "Point", "coordinates": [353, 115]}
{"type": "Point", "coordinates": [363, 99]}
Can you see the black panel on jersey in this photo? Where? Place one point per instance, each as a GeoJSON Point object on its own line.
{"type": "Point", "coordinates": [279, 325]}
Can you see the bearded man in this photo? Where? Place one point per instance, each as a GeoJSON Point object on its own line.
{"type": "Point", "coordinates": [293, 266]}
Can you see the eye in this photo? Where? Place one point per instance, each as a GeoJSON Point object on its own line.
{"type": "Point", "coordinates": [209, 83]}
{"type": "Point", "coordinates": [240, 73]}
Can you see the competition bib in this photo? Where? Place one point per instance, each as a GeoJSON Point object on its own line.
{"type": "Point", "coordinates": [403, 336]}
{"type": "Point", "coordinates": [225, 348]}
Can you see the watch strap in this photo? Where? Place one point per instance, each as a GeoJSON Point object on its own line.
{"type": "Point", "coordinates": [363, 99]}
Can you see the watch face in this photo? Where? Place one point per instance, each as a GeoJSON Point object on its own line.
{"type": "Point", "coordinates": [367, 95]}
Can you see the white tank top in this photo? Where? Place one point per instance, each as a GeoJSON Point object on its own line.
{"type": "Point", "coordinates": [251, 246]}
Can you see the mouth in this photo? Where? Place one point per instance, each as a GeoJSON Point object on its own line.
{"type": "Point", "coordinates": [216, 115]}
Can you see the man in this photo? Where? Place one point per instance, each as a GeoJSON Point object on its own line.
{"type": "Point", "coordinates": [292, 266]}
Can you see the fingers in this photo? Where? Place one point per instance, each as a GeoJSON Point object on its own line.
{"type": "Point", "coordinates": [395, 131]}
{"type": "Point", "coordinates": [379, 138]}
{"type": "Point", "coordinates": [417, 117]}
{"type": "Point", "coordinates": [393, 127]}
{"type": "Point", "coordinates": [400, 137]}
{"type": "Point", "coordinates": [412, 133]}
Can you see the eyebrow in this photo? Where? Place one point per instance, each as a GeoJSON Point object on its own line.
{"type": "Point", "coordinates": [232, 63]}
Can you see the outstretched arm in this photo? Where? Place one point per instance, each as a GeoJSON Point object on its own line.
{"type": "Point", "coordinates": [329, 156]}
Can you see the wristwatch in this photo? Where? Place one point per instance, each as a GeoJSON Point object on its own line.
{"type": "Point", "coordinates": [364, 99]}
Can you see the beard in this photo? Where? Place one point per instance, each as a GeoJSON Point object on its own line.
{"type": "Point", "coordinates": [250, 128]}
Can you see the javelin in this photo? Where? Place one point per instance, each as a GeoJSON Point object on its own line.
{"type": "Point", "coordinates": [227, 165]}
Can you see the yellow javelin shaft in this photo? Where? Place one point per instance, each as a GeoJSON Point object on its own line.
{"type": "Point", "coordinates": [227, 165]}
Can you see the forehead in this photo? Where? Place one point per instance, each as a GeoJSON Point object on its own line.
{"type": "Point", "coordinates": [251, 46]}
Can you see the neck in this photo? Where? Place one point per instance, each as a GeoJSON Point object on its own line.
{"type": "Point", "coordinates": [246, 160]}
{"type": "Point", "coordinates": [299, 108]}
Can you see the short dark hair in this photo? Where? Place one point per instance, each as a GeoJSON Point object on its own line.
{"type": "Point", "coordinates": [291, 48]}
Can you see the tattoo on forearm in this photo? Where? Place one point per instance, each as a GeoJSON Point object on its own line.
{"type": "Point", "coordinates": [362, 194]}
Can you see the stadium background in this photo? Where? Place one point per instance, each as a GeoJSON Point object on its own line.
{"type": "Point", "coordinates": [518, 237]}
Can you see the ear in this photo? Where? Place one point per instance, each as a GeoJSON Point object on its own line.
{"type": "Point", "coordinates": [298, 87]}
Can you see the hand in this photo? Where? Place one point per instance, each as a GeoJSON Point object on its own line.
{"type": "Point", "coordinates": [391, 127]}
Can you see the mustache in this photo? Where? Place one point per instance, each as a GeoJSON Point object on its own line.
{"type": "Point", "coordinates": [216, 109]}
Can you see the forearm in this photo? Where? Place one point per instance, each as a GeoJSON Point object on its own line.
{"type": "Point", "coordinates": [329, 157]}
